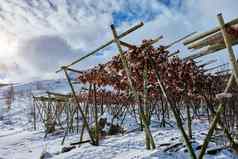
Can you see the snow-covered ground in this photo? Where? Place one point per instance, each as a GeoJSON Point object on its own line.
{"type": "Point", "coordinates": [19, 141]}
{"type": "Point", "coordinates": [25, 144]}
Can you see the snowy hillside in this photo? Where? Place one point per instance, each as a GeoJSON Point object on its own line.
{"type": "Point", "coordinates": [18, 113]}
{"type": "Point", "coordinates": [19, 141]}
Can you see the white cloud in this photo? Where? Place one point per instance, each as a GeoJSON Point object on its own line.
{"type": "Point", "coordinates": [44, 35]}
{"type": "Point", "coordinates": [48, 34]}
{"type": "Point", "coordinates": [46, 53]}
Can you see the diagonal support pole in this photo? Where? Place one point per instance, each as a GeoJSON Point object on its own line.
{"type": "Point", "coordinates": [214, 121]}
{"type": "Point", "coordinates": [175, 112]}
{"type": "Point", "coordinates": [234, 76]}
{"type": "Point", "coordinates": [79, 107]}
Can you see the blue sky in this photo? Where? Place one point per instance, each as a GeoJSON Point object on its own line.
{"type": "Point", "coordinates": [135, 11]}
{"type": "Point", "coordinates": [36, 38]}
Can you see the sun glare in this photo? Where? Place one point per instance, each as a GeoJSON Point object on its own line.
{"type": "Point", "coordinates": [8, 46]}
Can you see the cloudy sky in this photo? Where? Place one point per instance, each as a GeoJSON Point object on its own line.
{"type": "Point", "coordinates": [39, 36]}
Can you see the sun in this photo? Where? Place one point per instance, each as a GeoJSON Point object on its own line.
{"type": "Point", "coordinates": [8, 46]}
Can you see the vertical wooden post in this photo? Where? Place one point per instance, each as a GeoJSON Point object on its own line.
{"type": "Point", "coordinates": [96, 115]}
{"type": "Point", "coordinates": [78, 105]}
{"type": "Point", "coordinates": [145, 78]}
{"type": "Point", "coordinates": [145, 99]}
{"type": "Point", "coordinates": [189, 120]}
{"type": "Point", "coordinates": [163, 112]}
{"type": "Point", "coordinates": [34, 114]}
{"type": "Point", "coordinates": [234, 75]}
{"type": "Point", "coordinates": [77, 120]}
{"type": "Point", "coordinates": [102, 109]}
{"type": "Point", "coordinates": [50, 124]}
{"type": "Point", "coordinates": [126, 68]}
{"type": "Point", "coordinates": [228, 44]}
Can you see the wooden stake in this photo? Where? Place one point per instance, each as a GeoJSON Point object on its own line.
{"type": "Point", "coordinates": [96, 116]}
{"type": "Point", "coordinates": [34, 115]}
{"type": "Point", "coordinates": [189, 122]}
{"type": "Point", "coordinates": [128, 73]}
{"type": "Point", "coordinates": [145, 93]}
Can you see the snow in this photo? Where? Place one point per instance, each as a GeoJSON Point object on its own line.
{"type": "Point", "coordinates": [23, 144]}
{"type": "Point", "coordinates": [19, 141]}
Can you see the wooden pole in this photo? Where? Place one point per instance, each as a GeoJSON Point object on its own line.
{"type": "Point", "coordinates": [205, 42]}
{"type": "Point", "coordinates": [174, 53]}
{"type": "Point", "coordinates": [79, 107]}
{"type": "Point", "coordinates": [128, 73]}
{"type": "Point", "coordinates": [229, 47]}
{"type": "Point", "coordinates": [96, 116]}
{"type": "Point", "coordinates": [180, 39]}
{"type": "Point", "coordinates": [234, 76]}
{"type": "Point", "coordinates": [77, 113]}
{"type": "Point", "coordinates": [223, 71]}
{"type": "Point", "coordinates": [207, 63]}
{"type": "Point", "coordinates": [175, 112]}
{"type": "Point", "coordinates": [215, 67]}
{"type": "Point", "coordinates": [214, 121]}
{"type": "Point", "coordinates": [216, 29]}
{"type": "Point", "coordinates": [102, 105]}
{"type": "Point", "coordinates": [34, 114]}
{"type": "Point", "coordinates": [58, 94]}
{"type": "Point", "coordinates": [206, 51]}
{"type": "Point", "coordinates": [189, 122]}
{"type": "Point", "coordinates": [145, 94]}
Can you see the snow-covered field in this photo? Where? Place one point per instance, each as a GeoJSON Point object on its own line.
{"type": "Point", "coordinates": [19, 141]}
{"type": "Point", "coordinates": [25, 144]}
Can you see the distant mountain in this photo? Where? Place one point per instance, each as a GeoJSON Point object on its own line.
{"type": "Point", "coordinates": [40, 87]}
